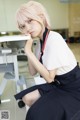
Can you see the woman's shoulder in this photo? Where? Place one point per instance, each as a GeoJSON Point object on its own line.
{"type": "Point", "coordinates": [55, 34]}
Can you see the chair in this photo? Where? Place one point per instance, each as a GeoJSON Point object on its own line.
{"type": "Point", "coordinates": [9, 66]}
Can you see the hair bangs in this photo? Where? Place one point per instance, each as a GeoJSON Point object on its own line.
{"type": "Point", "coordinates": [31, 10]}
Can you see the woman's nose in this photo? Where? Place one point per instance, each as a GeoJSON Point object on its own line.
{"type": "Point", "coordinates": [28, 27]}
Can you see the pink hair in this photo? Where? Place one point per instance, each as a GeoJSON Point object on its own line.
{"type": "Point", "coordinates": [32, 10]}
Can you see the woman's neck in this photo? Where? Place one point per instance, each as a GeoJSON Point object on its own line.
{"type": "Point", "coordinates": [43, 33]}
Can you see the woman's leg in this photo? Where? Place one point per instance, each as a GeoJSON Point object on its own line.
{"type": "Point", "coordinates": [55, 105]}
{"type": "Point", "coordinates": [46, 108]}
{"type": "Point", "coordinates": [31, 97]}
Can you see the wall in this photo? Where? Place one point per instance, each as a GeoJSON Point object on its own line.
{"type": "Point", "coordinates": [58, 13]}
{"type": "Point", "coordinates": [2, 16]}
{"type": "Point", "coordinates": [74, 19]}
{"type": "Point", "coordinates": [7, 14]}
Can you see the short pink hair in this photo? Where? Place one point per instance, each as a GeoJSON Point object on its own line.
{"type": "Point", "coordinates": [32, 10]}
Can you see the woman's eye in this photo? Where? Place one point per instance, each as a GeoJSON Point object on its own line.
{"type": "Point", "coordinates": [29, 21]}
{"type": "Point", "coordinates": [22, 27]}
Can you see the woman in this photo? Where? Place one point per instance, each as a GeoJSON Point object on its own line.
{"type": "Point", "coordinates": [59, 97]}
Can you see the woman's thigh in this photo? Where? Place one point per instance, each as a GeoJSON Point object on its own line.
{"type": "Point", "coordinates": [46, 108]}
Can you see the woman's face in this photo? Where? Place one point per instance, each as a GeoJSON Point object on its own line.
{"type": "Point", "coordinates": [32, 27]}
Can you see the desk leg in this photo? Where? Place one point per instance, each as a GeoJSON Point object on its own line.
{"type": "Point", "coordinates": [2, 86]}
{"type": "Point", "coordinates": [16, 72]}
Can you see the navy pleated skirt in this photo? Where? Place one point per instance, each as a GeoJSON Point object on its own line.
{"type": "Point", "coordinates": [60, 100]}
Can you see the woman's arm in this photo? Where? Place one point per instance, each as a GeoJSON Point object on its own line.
{"type": "Point", "coordinates": [32, 70]}
{"type": "Point", "coordinates": [47, 75]}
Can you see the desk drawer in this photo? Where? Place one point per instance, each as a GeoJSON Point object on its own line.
{"type": "Point", "coordinates": [7, 67]}
{"type": "Point", "coordinates": [7, 59]}
{"type": "Point", "coordinates": [1, 59]}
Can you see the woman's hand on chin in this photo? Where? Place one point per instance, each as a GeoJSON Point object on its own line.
{"type": "Point", "coordinates": [28, 46]}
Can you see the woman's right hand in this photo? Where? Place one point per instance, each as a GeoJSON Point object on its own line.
{"type": "Point", "coordinates": [28, 45]}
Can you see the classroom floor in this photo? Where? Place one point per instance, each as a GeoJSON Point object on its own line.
{"type": "Point", "coordinates": [15, 112]}
{"type": "Point", "coordinates": [11, 106]}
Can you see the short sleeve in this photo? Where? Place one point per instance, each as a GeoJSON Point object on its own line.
{"type": "Point", "coordinates": [56, 53]}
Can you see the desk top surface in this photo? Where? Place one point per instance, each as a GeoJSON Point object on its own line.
{"type": "Point", "coordinates": [14, 38]}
